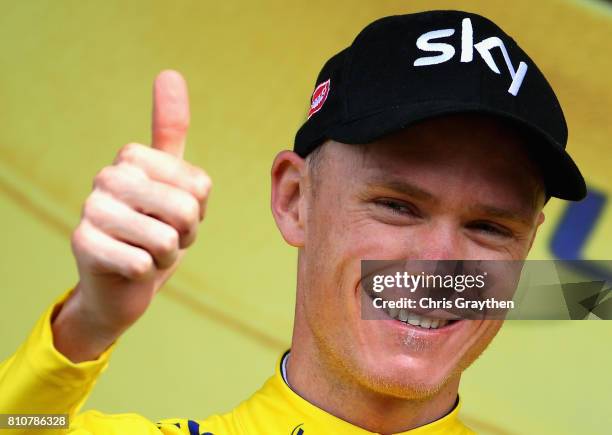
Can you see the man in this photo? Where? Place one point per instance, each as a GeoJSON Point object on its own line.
{"type": "Point", "coordinates": [433, 136]}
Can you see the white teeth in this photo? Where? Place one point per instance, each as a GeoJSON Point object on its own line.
{"type": "Point", "coordinates": [393, 312]}
{"type": "Point", "coordinates": [415, 319]}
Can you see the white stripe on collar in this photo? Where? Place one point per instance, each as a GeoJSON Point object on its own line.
{"type": "Point", "coordinates": [284, 368]}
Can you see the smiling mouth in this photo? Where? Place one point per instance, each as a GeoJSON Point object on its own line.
{"type": "Point", "coordinates": [414, 319]}
{"type": "Point", "coordinates": [411, 318]}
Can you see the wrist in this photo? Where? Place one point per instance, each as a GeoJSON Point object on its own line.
{"type": "Point", "coordinates": [76, 333]}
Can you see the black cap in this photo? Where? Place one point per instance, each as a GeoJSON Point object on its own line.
{"type": "Point", "coordinates": [407, 68]}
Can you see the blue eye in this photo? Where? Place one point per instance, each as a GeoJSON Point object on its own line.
{"type": "Point", "coordinates": [397, 207]}
{"type": "Point", "coordinates": [490, 229]}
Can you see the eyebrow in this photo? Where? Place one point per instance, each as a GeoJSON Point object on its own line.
{"type": "Point", "coordinates": [501, 213]}
{"type": "Point", "coordinates": [414, 191]}
{"type": "Point", "coordinates": [402, 186]}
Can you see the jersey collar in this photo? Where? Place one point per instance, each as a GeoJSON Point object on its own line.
{"type": "Point", "coordinates": [300, 417]}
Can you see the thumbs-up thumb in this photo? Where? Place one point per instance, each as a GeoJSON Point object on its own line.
{"type": "Point", "coordinates": [170, 113]}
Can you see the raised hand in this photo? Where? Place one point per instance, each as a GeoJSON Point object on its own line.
{"type": "Point", "coordinates": [142, 214]}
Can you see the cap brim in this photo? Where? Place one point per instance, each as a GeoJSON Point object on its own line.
{"type": "Point", "coordinates": [561, 175]}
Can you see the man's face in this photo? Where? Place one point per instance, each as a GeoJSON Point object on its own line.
{"type": "Point", "coordinates": [455, 187]}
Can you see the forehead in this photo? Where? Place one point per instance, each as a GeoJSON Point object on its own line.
{"type": "Point", "coordinates": [472, 134]}
{"type": "Point", "coordinates": [478, 138]}
{"type": "Point", "coordinates": [460, 151]}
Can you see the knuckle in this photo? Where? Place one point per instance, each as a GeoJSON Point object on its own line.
{"type": "Point", "coordinates": [202, 184]}
{"type": "Point", "coordinates": [187, 239]}
{"type": "Point", "coordinates": [92, 207]}
{"type": "Point", "coordinates": [129, 153]}
{"type": "Point", "coordinates": [177, 124]}
{"type": "Point", "coordinates": [105, 177]}
{"type": "Point", "coordinates": [167, 243]}
{"type": "Point", "coordinates": [80, 239]}
{"type": "Point", "coordinates": [139, 267]}
{"type": "Point", "coordinates": [189, 211]}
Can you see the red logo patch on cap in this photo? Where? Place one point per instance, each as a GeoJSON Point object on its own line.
{"type": "Point", "coordinates": [318, 98]}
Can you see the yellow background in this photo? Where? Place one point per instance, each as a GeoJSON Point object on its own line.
{"type": "Point", "coordinates": [75, 82]}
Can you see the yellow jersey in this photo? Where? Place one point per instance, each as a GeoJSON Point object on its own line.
{"type": "Point", "coordinates": [39, 379]}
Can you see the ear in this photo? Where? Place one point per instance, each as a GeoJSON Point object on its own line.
{"type": "Point", "coordinates": [539, 222]}
{"type": "Point", "coordinates": [288, 172]}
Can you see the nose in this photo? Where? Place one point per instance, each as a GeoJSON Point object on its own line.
{"type": "Point", "coordinates": [441, 241]}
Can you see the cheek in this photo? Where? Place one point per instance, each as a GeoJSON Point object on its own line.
{"type": "Point", "coordinates": [336, 242]}
{"type": "Point", "coordinates": [489, 330]}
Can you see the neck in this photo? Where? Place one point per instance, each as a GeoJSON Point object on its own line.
{"type": "Point", "coordinates": [329, 389]}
